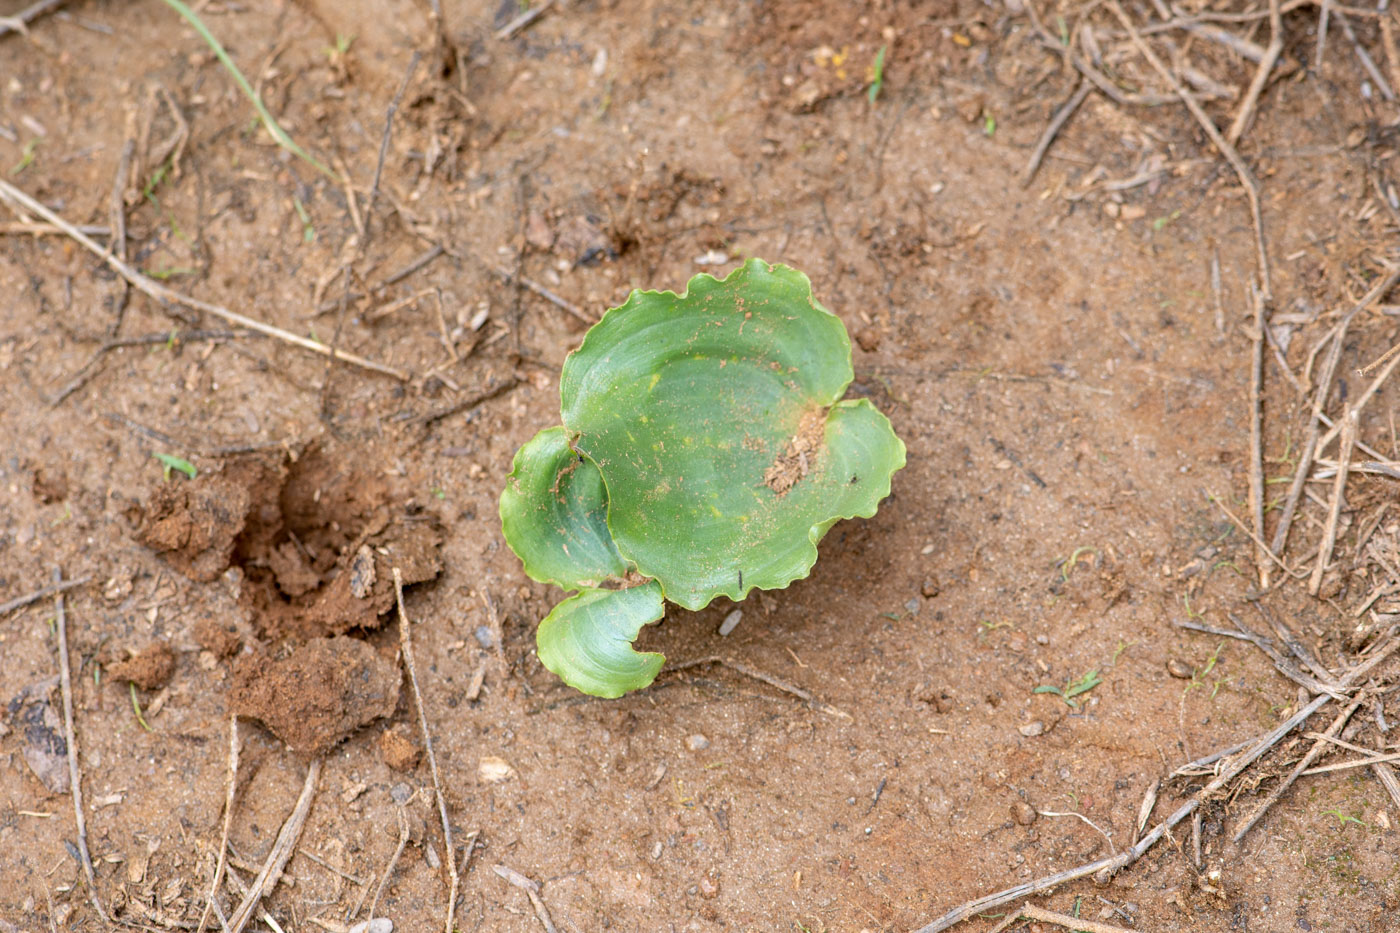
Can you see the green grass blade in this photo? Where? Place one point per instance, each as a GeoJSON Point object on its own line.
{"type": "Point", "coordinates": [269, 121]}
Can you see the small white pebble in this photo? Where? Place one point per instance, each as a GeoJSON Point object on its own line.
{"type": "Point", "coordinates": [730, 623]}
{"type": "Point", "coordinates": [697, 742]}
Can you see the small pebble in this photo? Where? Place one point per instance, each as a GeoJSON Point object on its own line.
{"type": "Point", "coordinates": [493, 770]}
{"type": "Point", "coordinates": [730, 623]}
{"type": "Point", "coordinates": [656, 852]}
{"type": "Point", "coordinates": [377, 925]}
{"type": "Point", "coordinates": [1023, 813]}
{"type": "Point", "coordinates": [400, 793]}
{"type": "Point", "coordinates": [1032, 729]}
{"type": "Point", "coordinates": [930, 589]}
{"type": "Point", "coordinates": [697, 742]}
{"type": "Point", "coordinates": [1179, 669]}
{"type": "Point", "coordinates": [913, 605]}
{"type": "Point", "coordinates": [484, 636]}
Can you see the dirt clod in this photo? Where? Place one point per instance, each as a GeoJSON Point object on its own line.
{"type": "Point", "coordinates": [219, 639]}
{"type": "Point", "coordinates": [1023, 813]}
{"type": "Point", "coordinates": [150, 668]}
{"type": "Point", "coordinates": [50, 485]}
{"type": "Point", "coordinates": [398, 749]}
{"type": "Point", "coordinates": [194, 524]}
{"type": "Point", "coordinates": [318, 695]}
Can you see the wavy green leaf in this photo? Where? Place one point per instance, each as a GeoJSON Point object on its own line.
{"type": "Point", "coordinates": [587, 640]}
{"type": "Point", "coordinates": [712, 418]}
{"type": "Point", "coordinates": [554, 514]}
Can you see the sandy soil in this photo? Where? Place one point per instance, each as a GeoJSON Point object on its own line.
{"type": "Point", "coordinates": [1069, 363]}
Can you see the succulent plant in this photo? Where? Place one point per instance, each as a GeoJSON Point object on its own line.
{"type": "Point", "coordinates": [704, 452]}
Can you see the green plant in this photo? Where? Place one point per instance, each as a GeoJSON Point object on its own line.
{"type": "Point", "coordinates": [704, 452]}
{"type": "Point", "coordinates": [1072, 688]}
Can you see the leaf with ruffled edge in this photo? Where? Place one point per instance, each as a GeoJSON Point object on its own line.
{"type": "Point", "coordinates": [713, 419]}
{"type": "Point", "coordinates": [554, 515]}
{"type": "Point", "coordinates": [587, 640]}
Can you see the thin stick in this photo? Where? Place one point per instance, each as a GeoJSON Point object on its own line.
{"type": "Point", "coordinates": [761, 676]}
{"type": "Point", "coordinates": [510, 29]}
{"type": "Point", "coordinates": [1322, 19]}
{"type": "Point", "coordinates": [1245, 114]}
{"type": "Point", "coordinates": [1256, 437]}
{"type": "Point", "coordinates": [160, 293]}
{"type": "Point", "coordinates": [389, 869]}
{"type": "Point", "coordinates": [384, 147]}
{"type": "Point", "coordinates": [1253, 537]}
{"type": "Point", "coordinates": [1298, 769]}
{"type": "Point", "coordinates": [19, 602]}
{"type": "Point", "coordinates": [1226, 148]}
{"type": "Point", "coordinates": [74, 776]}
{"type": "Point", "coordinates": [470, 401]}
{"type": "Point", "coordinates": [26, 16]}
{"type": "Point", "coordinates": [561, 303]}
{"type": "Point", "coordinates": [1364, 57]}
{"type": "Point", "coordinates": [1052, 129]}
{"type": "Point", "coordinates": [1362, 399]}
{"type": "Point", "coordinates": [281, 852]}
{"type": "Point", "coordinates": [1068, 922]}
{"type": "Point", "coordinates": [1355, 763]}
{"type": "Point", "coordinates": [1386, 774]}
{"type": "Point", "coordinates": [406, 645]}
{"type": "Point", "coordinates": [1392, 60]}
{"type": "Point", "coordinates": [116, 211]}
{"type": "Point", "coordinates": [1379, 360]}
{"type": "Point", "coordinates": [1084, 819]}
{"type": "Point", "coordinates": [532, 890]}
{"type": "Point", "coordinates": [1310, 445]}
{"type": "Point", "coordinates": [222, 865]}
{"type": "Point", "coordinates": [1329, 533]}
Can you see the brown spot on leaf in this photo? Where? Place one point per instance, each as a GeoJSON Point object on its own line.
{"type": "Point", "coordinates": [799, 456]}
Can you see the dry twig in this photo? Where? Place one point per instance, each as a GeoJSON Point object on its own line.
{"type": "Point", "coordinates": [1245, 114]}
{"type": "Point", "coordinates": [406, 646]}
{"type": "Point", "coordinates": [1329, 533]}
{"type": "Point", "coordinates": [222, 864]}
{"type": "Point", "coordinates": [1052, 129]}
{"type": "Point", "coordinates": [29, 14]}
{"type": "Point", "coordinates": [163, 295]}
{"type": "Point", "coordinates": [282, 849]}
{"type": "Point", "coordinates": [69, 736]}
{"type": "Point", "coordinates": [1226, 148]}
{"type": "Point", "coordinates": [1298, 769]}
{"type": "Point", "coordinates": [19, 602]}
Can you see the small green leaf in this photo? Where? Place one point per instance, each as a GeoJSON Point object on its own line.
{"type": "Point", "coordinates": [989, 124]}
{"type": "Point", "coordinates": [170, 462]}
{"type": "Point", "coordinates": [136, 705]}
{"type": "Point", "coordinates": [26, 158]}
{"type": "Point", "coordinates": [1084, 684]}
{"type": "Point", "coordinates": [1049, 688]}
{"type": "Point", "coordinates": [877, 74]}
{"type": "Point", "coordinates": [554, 515]}
{"type": "Point", "coordinates": [587, 640]}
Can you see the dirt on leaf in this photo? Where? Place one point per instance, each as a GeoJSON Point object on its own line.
{"type": "Point", "coordinates": [799, 456]}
